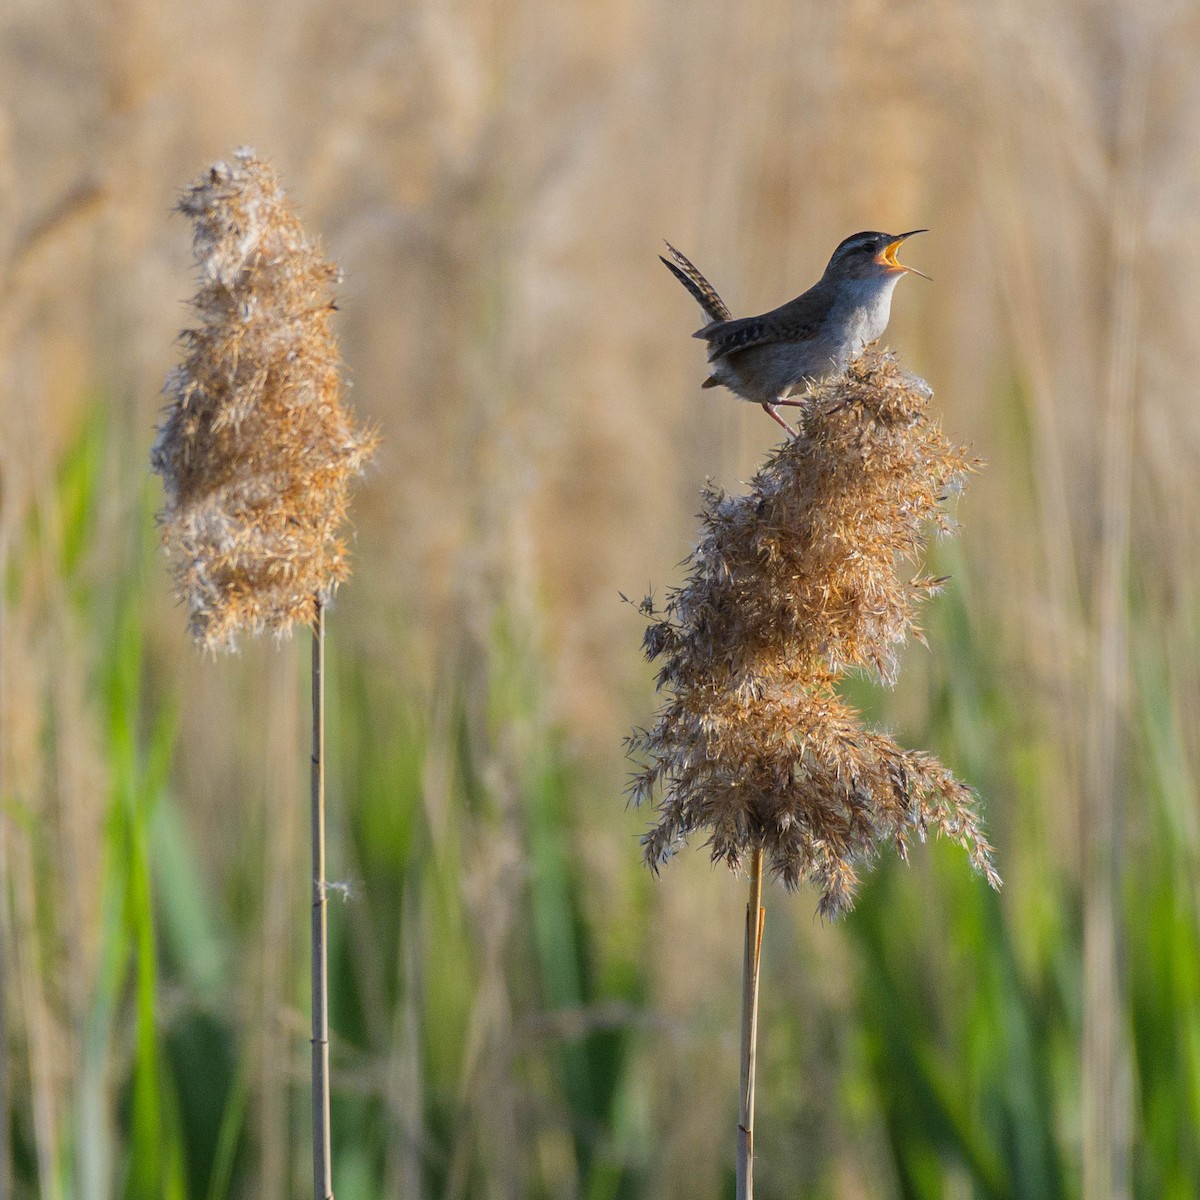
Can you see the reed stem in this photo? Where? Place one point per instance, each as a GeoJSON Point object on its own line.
{"type": "Point", "coordinates": [322, 1150]}
{"type": "Point", "coordinates": [755, 916]}
{"type": "Point", "coordinates": [6, 1172]}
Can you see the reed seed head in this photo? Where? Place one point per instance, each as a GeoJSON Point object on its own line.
{"type": "Point", "coordinates": [793, 584]}
{"type": "Point", "coordinates": [256, 449]}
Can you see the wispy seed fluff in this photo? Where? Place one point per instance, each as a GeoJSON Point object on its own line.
{"type": "Point", "coordinates": [256, 449]}
{"type": "Point", "coordinates": [792, 585]}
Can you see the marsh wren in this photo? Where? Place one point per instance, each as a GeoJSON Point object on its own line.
{"type": "Point", "coordinates": [764, 359]}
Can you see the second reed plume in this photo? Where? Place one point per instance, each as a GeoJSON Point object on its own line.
{"type": "Point", "coordinates": [256, 453]}
{"type": "Point", "coordinates": [792, 585]}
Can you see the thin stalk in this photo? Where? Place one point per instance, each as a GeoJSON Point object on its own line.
{"type": "Point", "coordinates": [755, 916]}
{"type": "Point", "coordinates": [322, 1151]}
{"type": "Point", "coordinates": [6, 1182]}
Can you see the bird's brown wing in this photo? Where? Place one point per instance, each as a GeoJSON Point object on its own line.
{"type": "Point", "coordinates": [797, 321]}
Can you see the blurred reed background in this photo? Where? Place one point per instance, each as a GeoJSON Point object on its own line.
{"type": "Point", "coordinates": [518, 1010]}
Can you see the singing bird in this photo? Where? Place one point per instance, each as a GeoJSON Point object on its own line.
{"type": "Point", "coordinates": [764, 359]}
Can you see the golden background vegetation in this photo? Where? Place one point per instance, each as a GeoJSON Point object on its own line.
{"type": "Point", "coordinates": [495, 180]}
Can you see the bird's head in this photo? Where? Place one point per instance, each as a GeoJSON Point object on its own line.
{"type": "Point", "coordinates": [871, 256]}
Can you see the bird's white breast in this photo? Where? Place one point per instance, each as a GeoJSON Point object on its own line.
{"type": "Point", "coordinates": [867, 307]}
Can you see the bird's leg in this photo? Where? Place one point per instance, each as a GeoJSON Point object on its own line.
{"type": "Point", "coordinates": [769, 409]}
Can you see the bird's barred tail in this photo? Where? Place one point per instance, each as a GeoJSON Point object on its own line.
{"type": "Point", "coordinates": [702, 291]}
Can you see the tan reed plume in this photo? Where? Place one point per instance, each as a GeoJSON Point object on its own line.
{"type": "Point", "coordinates": [256, 449]}
{"type": "Point", "coordinates": [793, 584]}
{"type": "Point", "coordinates": [256, 454]}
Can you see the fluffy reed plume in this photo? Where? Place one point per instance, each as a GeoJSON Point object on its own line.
{"type": "Point", "coordinates": [256, 454]}
{"type": "Point", "coordinates": [256, 450]}
{"type": "Point", "coordinates": [793, 584]}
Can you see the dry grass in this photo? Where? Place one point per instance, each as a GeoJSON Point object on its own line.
{"type": "Point", "coordinates": [496, 184]}
{"type": "Point", "coordinates": [257, 449]}
{"type": "Point", "coordinates": [794, 583]}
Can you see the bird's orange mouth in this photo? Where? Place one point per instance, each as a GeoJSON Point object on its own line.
{"type": "Point", "coordinates": [888, 256]}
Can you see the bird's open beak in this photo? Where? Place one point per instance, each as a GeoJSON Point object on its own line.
{"type": "Point", "coordinates": [888, 257]}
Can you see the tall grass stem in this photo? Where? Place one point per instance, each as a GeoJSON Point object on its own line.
{"type": "Point", "coordinates": [322, 1148]}
{"type": "Point", "coordinates": [6, 1182]}
{"type": "Point", "coordinates": [5, 1110]}
{"type": "Point", "coordinates": [755, 915]}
